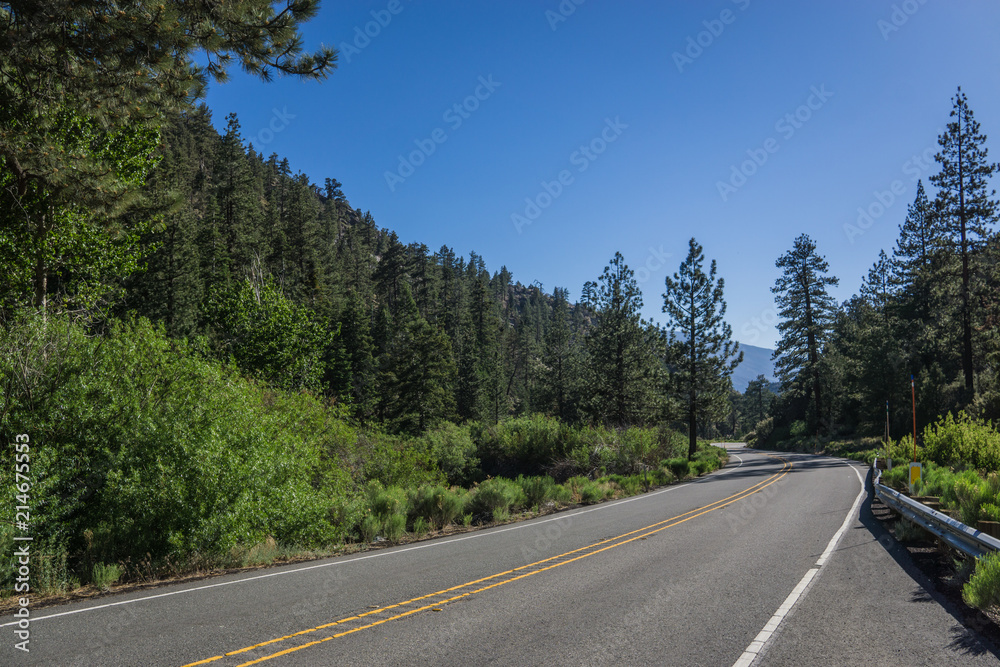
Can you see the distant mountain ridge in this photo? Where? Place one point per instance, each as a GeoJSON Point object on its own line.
{"type": "Point", "coordinates": [756, 361]}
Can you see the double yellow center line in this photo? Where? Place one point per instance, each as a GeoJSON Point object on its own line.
{"type": "Point", "coordinates": [375, 617]}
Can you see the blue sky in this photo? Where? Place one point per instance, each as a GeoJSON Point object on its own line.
{"type": "Point", "coordinates": [585, 129]}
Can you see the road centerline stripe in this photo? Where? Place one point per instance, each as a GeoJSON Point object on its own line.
{"type": "Point", "coordinates": [343, 561]}
{"type": "Point", "coordinates": [590, 550]}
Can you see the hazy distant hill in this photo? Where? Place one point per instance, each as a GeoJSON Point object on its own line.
{"type": "Point", "coordinates": [756, 361]}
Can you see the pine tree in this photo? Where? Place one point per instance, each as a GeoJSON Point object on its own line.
{"type": "Point", "coordinates": [807, 313]}
{"type": "Point", "coordinates": [703, 354]}
{"type": "Point", "coordinates": [424, 371]}
{"type": "Point", "coordinates": [967, 209]}
{"type": "Point", "coordinates": [560, 382]}
{"type": "Point", "coordinates": [623, 351]}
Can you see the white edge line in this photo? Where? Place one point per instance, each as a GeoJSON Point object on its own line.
{"type": "Point", "coordinates": [756, 647]}
{"type": "Point", "coordinates": [434, 543]}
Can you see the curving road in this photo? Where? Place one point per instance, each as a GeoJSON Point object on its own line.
{"type": "Point", "coordinates": [772, 561]}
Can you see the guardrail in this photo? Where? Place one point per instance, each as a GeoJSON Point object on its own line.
{"type": "Point", "coordinates": [956, 534]}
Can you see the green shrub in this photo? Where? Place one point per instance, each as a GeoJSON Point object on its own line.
{"type": "Point", "coordinates": [103, 576]}
{"type": "Point", "coordinates": [371, 525]}
{"type": "Point", "coordinates": [594, 492]}
{"type": "Point", "coordinates": [973, 492]}
{"type": "Point", "coordinates": [680, 467]}
{"type": "Point", "coordinates": [629, 485]}
{"type": "Point", "coordinates": [989, 512]}
{"type": "Point", "coordinates": [963, 440]}
{"type": "Point", "coordinates": [497, 494]}
{"type": "Point", "coordinates": [395, 527]}
{"type": "Point", "coordinates": [455, 452]}
{"type": "Point", "coordinates": [384, 502]}
{"type": "Point", "coordinates": [983, 588]}
{"type": "Point", "coordinates": [537, 490]}
{"type": "Point", "coordinates": [421, 526]}
{"type": "Point", "coordinates": [184, 459]}
{"type": "Point", "coordinates": [562, 494]}
{"type": "Point", "coordinates": [438, 505]}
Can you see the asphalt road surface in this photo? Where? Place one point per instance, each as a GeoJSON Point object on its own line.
{"type": "Point", "coordinates": [774, 560]}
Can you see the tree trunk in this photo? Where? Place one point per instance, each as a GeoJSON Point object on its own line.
{"type": "Point", "coordinates": [966, 315]}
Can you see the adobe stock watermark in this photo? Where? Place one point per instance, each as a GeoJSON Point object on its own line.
{"type": "Point", "coordinates": [882, 200]}
{"type": "Point", "coordinates": [900, 15]}
{"type": "Point", "coordinates": [455, 116]}
{"type": "Point", "coordinates": [655, 260]}
{"type": "Point", "coordinates": [786, 126]}
{"type": "Point", "coordinates": [752, 329]}
{"type": "Point", "coordinates": [279, 121]}
{"type": "Point", "coordinates": [714, 28]}
{"type": "Point", "coordinates": [564, 10]}
{"type": "Point", "coordinates": [581, 158]}
{"type": "Point", "coordinates": [363, 36]}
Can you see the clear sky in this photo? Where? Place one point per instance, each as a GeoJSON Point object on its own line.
{"type": "Point", "coordinates": [609, 126]}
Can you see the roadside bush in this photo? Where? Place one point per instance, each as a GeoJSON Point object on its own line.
{"type": "Point", "coordinates": [438, 505]}
{"type": "Point", "coordinates": [973, 492]}
{"type": "Point", "coordinates": [983, 588]}
{"type": "Point", "coordinates": [496, 495]}
{"type": "Point", "coordinates": [537, 490]}
{"type": "Point", "coordinates": [455, 453]}
{"type": "Point", "coordinates": [594, 492]}
{"type": "Point", "coordinates": [680, 467]}
{"type": "Point", "coordinates": [963, 440]}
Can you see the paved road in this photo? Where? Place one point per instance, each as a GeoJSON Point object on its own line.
{"type": "Point", "coordinates": [689, 575]}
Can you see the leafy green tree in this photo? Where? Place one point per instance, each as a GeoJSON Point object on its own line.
{"type": "Point", "coordinates": [807, 313]}
{"type": "Point", "coordinates": [702, 352]}
{"type": "Point", "coordinates": [624, 352]}
{"type": "Point", "coordinates": [967, 208]}
{"type": "Point", "coordinates": [270, 337]}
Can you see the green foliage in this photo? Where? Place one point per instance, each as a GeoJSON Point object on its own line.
{"type": "Point", "coordinates": [438, 505]}
{"type": "Point", "coordinates": [183, 458]}
{"type": "Point", "coordinates": [270, 337]}
{"type": "Point", "coordinates": [594, 492]}
{"type": "Point", "coordinates": [624, 352]}
{"type": "Point", "coordinates": [395, 527]}
{"type": "Point", "coordinates": [421, 526]}
{"type": "Point", "coordinates": [393, 461]}
{"type": "Point", "coordinates": [983, 588]}
{"type": "Point", "coordinates": [701, 353]}
{"type": "Point", "coordinates": [680, 467]}
{"type": "Point", "coordinates": [496, 495]}
{"type": "Point", "coordinates": [455, 452]}
{"type": "Point", "coordinates": [973, 492]}
{"type": "Point", "coordinates": [537, 490]}
{"type": "Point", "coordinates": [103, 576]}
{"type": "Point", "coordinates": [963, 440]}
